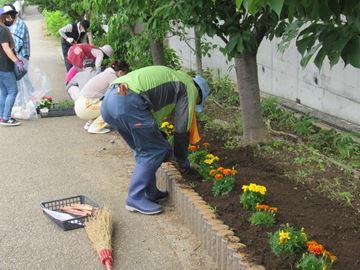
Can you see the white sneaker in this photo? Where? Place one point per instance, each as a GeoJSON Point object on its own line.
{"type": "Point", "coordinates": [87, 125]}
{"type": "Point", "coordinates": [101, 131]}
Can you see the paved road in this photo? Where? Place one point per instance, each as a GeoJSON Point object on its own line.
{"type": "Point", "coordinates": [55, 158]}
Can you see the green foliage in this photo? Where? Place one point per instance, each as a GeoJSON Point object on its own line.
{"type": "Point", "coordinates": [195, 157]}
{"type": "Point", "coordinates": [339, 145]}
{"type": "Point", "coordinates": [223, 186]}
{"type": "Point", "coordinates": [54, 21]}
{"type": "Point", "coordinates": [287, 240]}
{"type": "Point", "coordinates": [223, 89]}
{"type": "Point", "coordinates": [66, 104]}
{"type": "Point", "coordinates": [263, 218]}
{"type": "Point", "coordinates": [250, 199]}
{"type": "Point", "coordinates": [312, 262]}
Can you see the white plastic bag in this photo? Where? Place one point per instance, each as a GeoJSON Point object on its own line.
{"type": "Point", "coordinates": [28, 95]}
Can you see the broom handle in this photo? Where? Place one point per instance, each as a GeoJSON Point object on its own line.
{"type": "Point", "coordinates": [108, 265]}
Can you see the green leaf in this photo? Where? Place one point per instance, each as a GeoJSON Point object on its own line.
{"type": "Point", "coordinates": [232, 43]}
{"type": "Point", "coordinates": [351, 52]}
{"type": "Point", "coordinates": [238, 3]}
{"type": "Point", "coordinates": [276, 5]}
{"type": "Point", "coordinates": [305, 43]}
{"type": "Point", "coordinates": [319, 59]}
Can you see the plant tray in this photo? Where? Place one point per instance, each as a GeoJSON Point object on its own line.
{"type": "Point", "coordinates": [59, 113]}
{"type": "Point", "coordinates": [75, 223]}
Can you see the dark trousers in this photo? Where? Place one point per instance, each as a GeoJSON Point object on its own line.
{"type": "Point", "coordinates": [65, 48]}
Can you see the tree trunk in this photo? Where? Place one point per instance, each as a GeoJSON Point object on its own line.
{"type": "Point", "coordinates": [254, 130]}
{"type": "Point", "coordinates": [157, 52]}
{"type": "Point", "coordinates": [199, 69]}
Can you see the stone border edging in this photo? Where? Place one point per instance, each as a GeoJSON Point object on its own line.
{"type": "Point", "coordinates": [216, 238]}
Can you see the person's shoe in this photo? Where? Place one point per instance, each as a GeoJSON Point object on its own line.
{"type": "Point", "coordinates": [100, 131]}
{"type": "Point", "coordinates": [143, 206]}
{"type": "Point", "coordinates": [156, 196]}
{"type": "Point", "coordinates": [10, 122]}
{"type": "Point", "coordinates": [87, 125]}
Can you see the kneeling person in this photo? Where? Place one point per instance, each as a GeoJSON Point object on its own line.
{"type": "Point", "coordinates": [87, 105]}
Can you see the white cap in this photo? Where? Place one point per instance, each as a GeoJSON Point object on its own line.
{"type": "Point", "coordinates": [107, 49]}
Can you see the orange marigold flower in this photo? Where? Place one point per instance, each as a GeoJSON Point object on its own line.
{"type": "Point", "coordinates": [227, 171]}
{"type": "Point", "coordinates": [212, 172]}
{"type": "Point", "coordinates": [262, 207]}
{"type": "Point", "coordinates": [330, 256]}
{"type": "Point", "coordinates": [218, 176]}
{"type": "Point", "coordinates": [220, 169]}
{"type": "Point", "coordinates": [192, 147]}
{"type": "Point", "coordinates": [273, 209]}
{"type": "Point", "coordinates": [206, 144]}
{"type": "Point", "coordinates": [315, 248]}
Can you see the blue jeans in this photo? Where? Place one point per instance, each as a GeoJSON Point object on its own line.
{"type": "Point", "coordinates": [131, 117]}
{"type": "Point", "coordinates": [8, 92]}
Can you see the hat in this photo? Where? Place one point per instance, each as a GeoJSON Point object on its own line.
{"type": "Point", "coordinates": [89, 63]}
{"type": "Point", "coordinates": [205, 91]}
{"type": "Point", "coordinates": [107, 49]}
{"type": "Point", "coordinates": [9, 8]}
{"type": "Point", "coordinates": [1, 11]}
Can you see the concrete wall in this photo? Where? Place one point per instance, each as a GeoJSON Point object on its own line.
{"type": "Point", "coordinates": [334, 91]}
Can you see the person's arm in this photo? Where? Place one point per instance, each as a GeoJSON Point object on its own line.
{"type": "Point", "coordinates": [181, 134]}
{"type": "Point", "coordinates": [99, 56]}
{"type": "Point", "coordinates": [64, 30]}
{"type": "Point", "coordinates": [9, 52]}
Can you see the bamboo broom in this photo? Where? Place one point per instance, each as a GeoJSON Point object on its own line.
{"type": "Point", "coordinates": [99, 230]}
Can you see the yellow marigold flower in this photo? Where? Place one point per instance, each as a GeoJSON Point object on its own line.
{"type": "Point", "coordinates": [171, 126]}
{"type": "Point", "coordinates": [208, 161]}
{"type": "Point", "coordinates": [216, 158]}
{"type": "Point", "coordinates": [333, 258]}
{"type": "Point", "coordinates": [165, 124]}
{"type": "Point", "coordinates": [283, 237]}
{"type": "Point", "coordinates": [245, 188]}
{"type": "Point", "coordinates": [210, 156]}
{"type": "Point", "coordinates": [234, 172]}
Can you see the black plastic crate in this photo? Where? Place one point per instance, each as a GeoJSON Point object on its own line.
{"type": "Point", "coordinates": [71, 224]}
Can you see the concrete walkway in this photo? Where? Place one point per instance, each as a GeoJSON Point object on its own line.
{"type": "Point", "coordinates": [55, 158]}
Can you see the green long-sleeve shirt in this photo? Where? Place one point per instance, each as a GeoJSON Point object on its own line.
{"type": "Point", "coordinates": [166, 90]}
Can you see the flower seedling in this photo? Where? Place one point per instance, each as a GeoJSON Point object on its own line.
{"type": "Point", "coordinates": [252, 195]}
{"type": "Point", "coordinates": [264, 215]}
{"type": "Point", "coordinates": [224, 181]}
{"type": "Point", "coordinates": [288, 240]}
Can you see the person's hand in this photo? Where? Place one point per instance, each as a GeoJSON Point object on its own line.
{"type": "Point", "coordinates": [20, 65]}
{"type": "Point", "coordinates": [70, 40]}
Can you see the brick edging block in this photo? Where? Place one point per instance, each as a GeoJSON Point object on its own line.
{"type": "Point", "coordinates": [216, 238]}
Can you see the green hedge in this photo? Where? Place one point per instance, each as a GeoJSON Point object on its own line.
{"type": "Point", "coordinates": [54, 21]}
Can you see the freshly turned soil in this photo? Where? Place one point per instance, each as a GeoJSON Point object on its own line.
{"type": "Point", "coordinates": [326, 221]}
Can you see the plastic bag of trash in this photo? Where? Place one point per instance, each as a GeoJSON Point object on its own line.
{"type": "Point", "coordinates": [31, 88]}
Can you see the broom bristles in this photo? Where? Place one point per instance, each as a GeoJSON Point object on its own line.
{"type": "Point", "coordinates": [99, 230]}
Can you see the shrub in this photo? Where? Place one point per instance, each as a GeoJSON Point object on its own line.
{"type": "Point", "coordinates": [54, 21]}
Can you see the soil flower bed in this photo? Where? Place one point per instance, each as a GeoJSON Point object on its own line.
{"type": "Point", "coordinates": [293, 206]}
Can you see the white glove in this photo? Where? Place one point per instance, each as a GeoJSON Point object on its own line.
{"type": "Point", "coordinates": [70, 40]}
